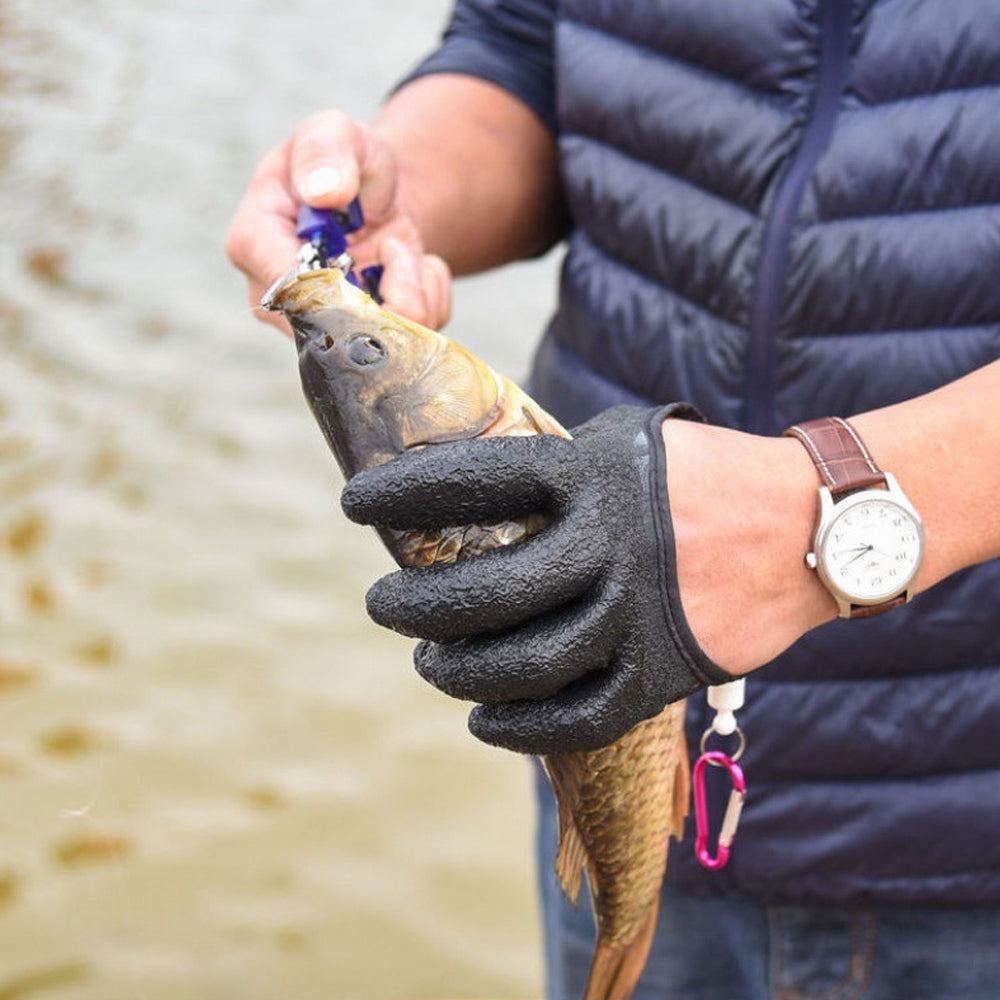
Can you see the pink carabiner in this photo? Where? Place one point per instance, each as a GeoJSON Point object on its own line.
{"type": "Point", "coordinates": [733, 810]}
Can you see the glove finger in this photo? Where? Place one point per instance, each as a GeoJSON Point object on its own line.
{"type": "Point", "coordinates": [589, 714]}
{"type": "Point", "coordinates": [492, 592]}
{"type": "Point", "coordinates": [482, 480]}
{"type": "Point", "coordinates": [532, 663]}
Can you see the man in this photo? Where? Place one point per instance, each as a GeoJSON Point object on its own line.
{"type": "Point", "coordinates": [777, 212]}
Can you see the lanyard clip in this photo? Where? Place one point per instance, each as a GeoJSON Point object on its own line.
{"type": "Point", "coordinates": [725, 699]}
{"type": "Point", "coordinates": [732, 817]}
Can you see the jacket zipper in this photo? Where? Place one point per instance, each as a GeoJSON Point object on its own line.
{"type": "Point", "coordinates": [765, 310]}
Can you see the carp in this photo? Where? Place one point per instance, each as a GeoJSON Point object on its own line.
{"type": "Point", "coordinates": [379, 385]}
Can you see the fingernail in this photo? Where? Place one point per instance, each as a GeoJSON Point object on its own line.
{"type": "Point", "coordinates": [321, 181]}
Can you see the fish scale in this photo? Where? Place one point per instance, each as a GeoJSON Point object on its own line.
{"type": "Point", "coordinates": [453, 544]}
{"type": "Point", "coordinates": [410, 388]}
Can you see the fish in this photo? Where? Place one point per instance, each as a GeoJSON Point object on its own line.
{"type": "Point", "coordinates": [380, 385]}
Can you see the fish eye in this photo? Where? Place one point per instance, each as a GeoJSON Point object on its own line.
{"type": "Point", "coordinates": [364, 351]}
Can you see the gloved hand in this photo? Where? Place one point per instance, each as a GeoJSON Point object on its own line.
{"type": "Point", "coordinates": [568, 639]}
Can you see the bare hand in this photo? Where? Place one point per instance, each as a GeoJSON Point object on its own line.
{"type": "Point", "coordinates": [328, 161]}
{"type": "Point", "coordinates": [743, 509]}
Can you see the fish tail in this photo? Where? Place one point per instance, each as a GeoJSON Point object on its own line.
{"type": "Point", "coordinates": [616, 967]}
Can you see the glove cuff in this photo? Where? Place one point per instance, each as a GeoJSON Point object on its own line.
{"type": "Point", "coordinates": [704, 669]}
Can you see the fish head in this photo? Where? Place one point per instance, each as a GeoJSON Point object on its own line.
{"type": "Point", "coordinates": [378, 383]}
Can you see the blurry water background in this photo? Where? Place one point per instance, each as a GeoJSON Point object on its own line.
{"type": "Point", "coordinates": [217, 778]}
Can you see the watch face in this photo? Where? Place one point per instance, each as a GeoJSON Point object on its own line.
{"type": "Point", "coordinates": [871, 548]}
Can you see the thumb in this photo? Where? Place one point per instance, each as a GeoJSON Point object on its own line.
{"type": "Point", "coordinates": [332, 160]}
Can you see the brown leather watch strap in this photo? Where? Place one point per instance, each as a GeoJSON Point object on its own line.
{"type": "Point", "coordinates": [870, 610]}
{"type": "Point", "coordinates": [845, 466]}
{"type": "Point", "coordinates": [841, 458]}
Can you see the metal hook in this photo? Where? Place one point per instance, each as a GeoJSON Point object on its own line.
{"type": "Point", "coordinates": [733, 809]}
{"type": "Point", "coordinates": [742, 745]}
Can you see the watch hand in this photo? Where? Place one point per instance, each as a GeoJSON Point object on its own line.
{"type": "Point", "coordinates": [860, 549]}
{"type": "Point", "coordinates": [864, 550]}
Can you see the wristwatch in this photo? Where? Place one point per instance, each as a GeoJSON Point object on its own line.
{"type": "Point", "coordinates": [870, 540]}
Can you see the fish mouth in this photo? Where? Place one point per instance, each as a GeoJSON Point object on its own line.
{"type": "Point", "coordinates": [269, 301]}
{"type": "Point", "coordinates": [310, 290]}
{"type": "Point", "coordinates": [298, 295]}
{"type": "Point", "coordinates": [308, 335]}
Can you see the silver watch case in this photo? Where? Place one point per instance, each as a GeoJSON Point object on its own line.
{"type": "Point", "coordinates": [830, 511]}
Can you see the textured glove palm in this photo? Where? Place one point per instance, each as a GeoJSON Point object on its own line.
{"type": "Point", "coordinates": [565, 640]}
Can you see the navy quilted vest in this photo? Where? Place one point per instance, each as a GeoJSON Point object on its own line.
{"type": "Point", "coordinates": [787, 209]}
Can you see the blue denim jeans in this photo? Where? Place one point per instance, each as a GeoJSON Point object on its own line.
{"type": "Point", "coordinates": [734, 949]}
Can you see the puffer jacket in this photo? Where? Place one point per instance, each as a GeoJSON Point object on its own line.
{"type": "Point", "coordinates": [785, 209]}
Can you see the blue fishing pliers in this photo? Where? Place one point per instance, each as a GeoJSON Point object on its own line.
{"type": "Point", "coordinates": [325, 231]}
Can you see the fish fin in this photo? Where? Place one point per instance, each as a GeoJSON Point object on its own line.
{"type": "Point", "coordinates": [682, 795]}
{"type": "Point", "coordinates": [616, 967]}
{"type": "Point", "coordinates": [535, 417]}
{"type": "Point", "coordinates": [565, 771]}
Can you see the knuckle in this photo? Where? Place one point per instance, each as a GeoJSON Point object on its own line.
{"type": "Point", "coordinates": [405, 229]}
{"type": "Point", "coordinates": [439, 282]}
{"type": "Point", "coordinates": [439, 266]}
{"type": "Point", "coordinates": [236, 244]}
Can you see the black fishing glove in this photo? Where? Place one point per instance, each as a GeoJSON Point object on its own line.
{"type": "Point", "coordinates": [568, 639]}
